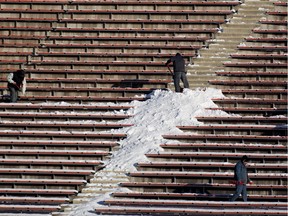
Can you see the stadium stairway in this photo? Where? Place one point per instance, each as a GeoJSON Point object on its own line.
{"type": "Point", "coordinates": [234, 31]}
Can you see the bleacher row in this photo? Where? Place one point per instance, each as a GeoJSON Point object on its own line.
{"type": "Point", "coordinates": [49, 151]}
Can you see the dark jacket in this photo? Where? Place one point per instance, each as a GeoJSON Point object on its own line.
{"type": "Point", "coordinates": [18, 78]}
{"type": "Point", "coordinates": [240, 173]}
{"type": "Point", "coordinates": [178, 63]}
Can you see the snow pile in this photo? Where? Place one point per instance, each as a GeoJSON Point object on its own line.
{"type": "Point", "coordinates": [159, 115]}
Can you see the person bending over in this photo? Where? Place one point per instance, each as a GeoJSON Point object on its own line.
{"type": "Point", "coordinates": [16, 82]}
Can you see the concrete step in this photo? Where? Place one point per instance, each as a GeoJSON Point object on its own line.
{"type": "Point", "coordinates": [225, 43]}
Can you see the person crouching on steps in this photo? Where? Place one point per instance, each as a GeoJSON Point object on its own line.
{"type": "Point", "coordinates": [179, 71]}
{"type": "Point", "coordinates": [241, 179]}
{"type": "Point", "coordinates": [16, 82]}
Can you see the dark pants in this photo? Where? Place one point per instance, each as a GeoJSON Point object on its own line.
{"type": "Point", "coordinates": [13, 94]}
{"type": "Point", "coordinates": [180, 76]}
{"type": "Point", "coordinates": [240, 189]}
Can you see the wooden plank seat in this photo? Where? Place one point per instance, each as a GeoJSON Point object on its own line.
{"type": "Point", "coordinates": [211, 155]}
{"type": "Point", "coordinates": [55, 143]}
{"type": "Point", "coordinates": [60, 125]}
{"type": "Point", "coordinates": [267, 39]}
{"type": "Point", "coordinates": [23, 37]}
{"type": "Point", "coordinates": [26, 28]}
{"type": "Point", "coordinates": [206, 12]}
{"type": "Point", "coordinates": [182, 166]}
{"type": "Point", "coordinates": [18, 45]}
{"type": "Point", "coordinates": [167, 39]}
{"type": "Point", "coordinates": [80, 99]}
{"type": "Point", "coordinates": [83, 63]}
{"type": "Point", "coordinates": [105, 38]}
{"type": "Point", "coordinates": [119, 90]}
{"type": "Point", "coordinates": [38, 152]}
{"type": "Point", "coordinates": [88, 90]}
{"type": "Point", "coordinates": [279, 83]}
{"type": "Point", "coordinates": [46, 182]}
{"type": "Point", "coordinates": [242, 119]}
{"type": "Point", "coordinates": [48, 172]}
{"type": "Point", "coordinates": [259, 56]}
{"type": "Point", "coordinates": [118, 56]}
{"type": "Point", "coordinates": [229, 138]}
{"type": "Point", "coordinates": [67, 116]}
{"type": "Point", "coordinates": [216, 22]}
{"type": "Point", "coordinates": [225, 13]}
{"type": "Point", "coordinates": [6, 53]}
{"type": "Point", "coordinates": [279, 93]}
{"type": "Point", "coordinates": [33, 192]}
{"type": "Point", "coordinates": [262, 101]}
{"type": "Point", "coordinates": [123, 46]}
{"type": "Point", "coordinates": [115, 91]}
{"type": "Point", "coordinates": [154, 3]}
{"type": "Point", "coordinates": [60, 2]}
{"type": "Point", "coordinates": [128, 82]}
{"type": "Point", "coordinates": [174, 176]}
{"type": "Point", "coordinates": [252, 73]}
{"type": "Point", "coordinates": [253, 111]}
{"type": "Point", "coordinates": [68, 72]}
{"type": "Point", "coordinates": [212, 21]}
{"type": "Point", "coordinates": [235, 128]}
{"type": "Point", "coordinates": [94, 164]}
{"type": "Point", "coordinates": [205, 31]}
{"type": "Point", "coordinates": [212, 188]}
{"type": "Point", "coordinates": [13, 61]}
{"type": "Point", "coordinates": [182, 211]}
{"type": "Point", "coordinates": [29, 10]}
{"type": "Point", "coordinates": [70, 107]}
{"type": "Point", "coordinates": [118, 38]}
{"type": "Point", "coordinates": [32, 28]}
{"type": "Point", "coordinates": [33, 200]}
{"type": "Point", "coordinates": [256, 64]}
{"type": "Point", "coordinates": [191, 185]}
{"type": "Point", "coordinates": [281, 3]}
{"type": "Point", "coordinates": [152, 56]}
{"type": "Point", "coordinates": [28, 19]}
{"type": "Point", "coordinates": [271, 31]}
{"type": "Point", "coordinates": [11, 208]}
{"type": "Point", "coordinates": [194, 203]}
{"type": "Point", "coordinates": [263, 48]}
{"type": "Point", "coordinates": [277, 13]}
{"type": "Point", "coordinates": [130, 2]}
{"type": "Point", "coordinates": [273, 22]}
{"type": "Point", "coordinates": [62, 134]}
{"type": "Point", "coordinates": [161, 195]}
{"type": "Point", "coordinates": [236, 147]}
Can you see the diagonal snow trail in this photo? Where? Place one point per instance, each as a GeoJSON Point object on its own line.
{"type": "Point", "coordinates": [159, 115]}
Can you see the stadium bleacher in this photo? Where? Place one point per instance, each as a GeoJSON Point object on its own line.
{"type": "Point", "coordinates": [72, 56]}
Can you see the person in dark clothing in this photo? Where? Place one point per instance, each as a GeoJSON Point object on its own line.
{"type": "Point", "coordinates": [16, 82]}
{"type": "Point", "coordinates": [241, 179]}
{"type": "Point", "coordinates": [179, 72]}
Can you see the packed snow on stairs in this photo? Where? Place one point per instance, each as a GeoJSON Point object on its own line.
{"type": "Point", "coordinates": [159, 115]}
